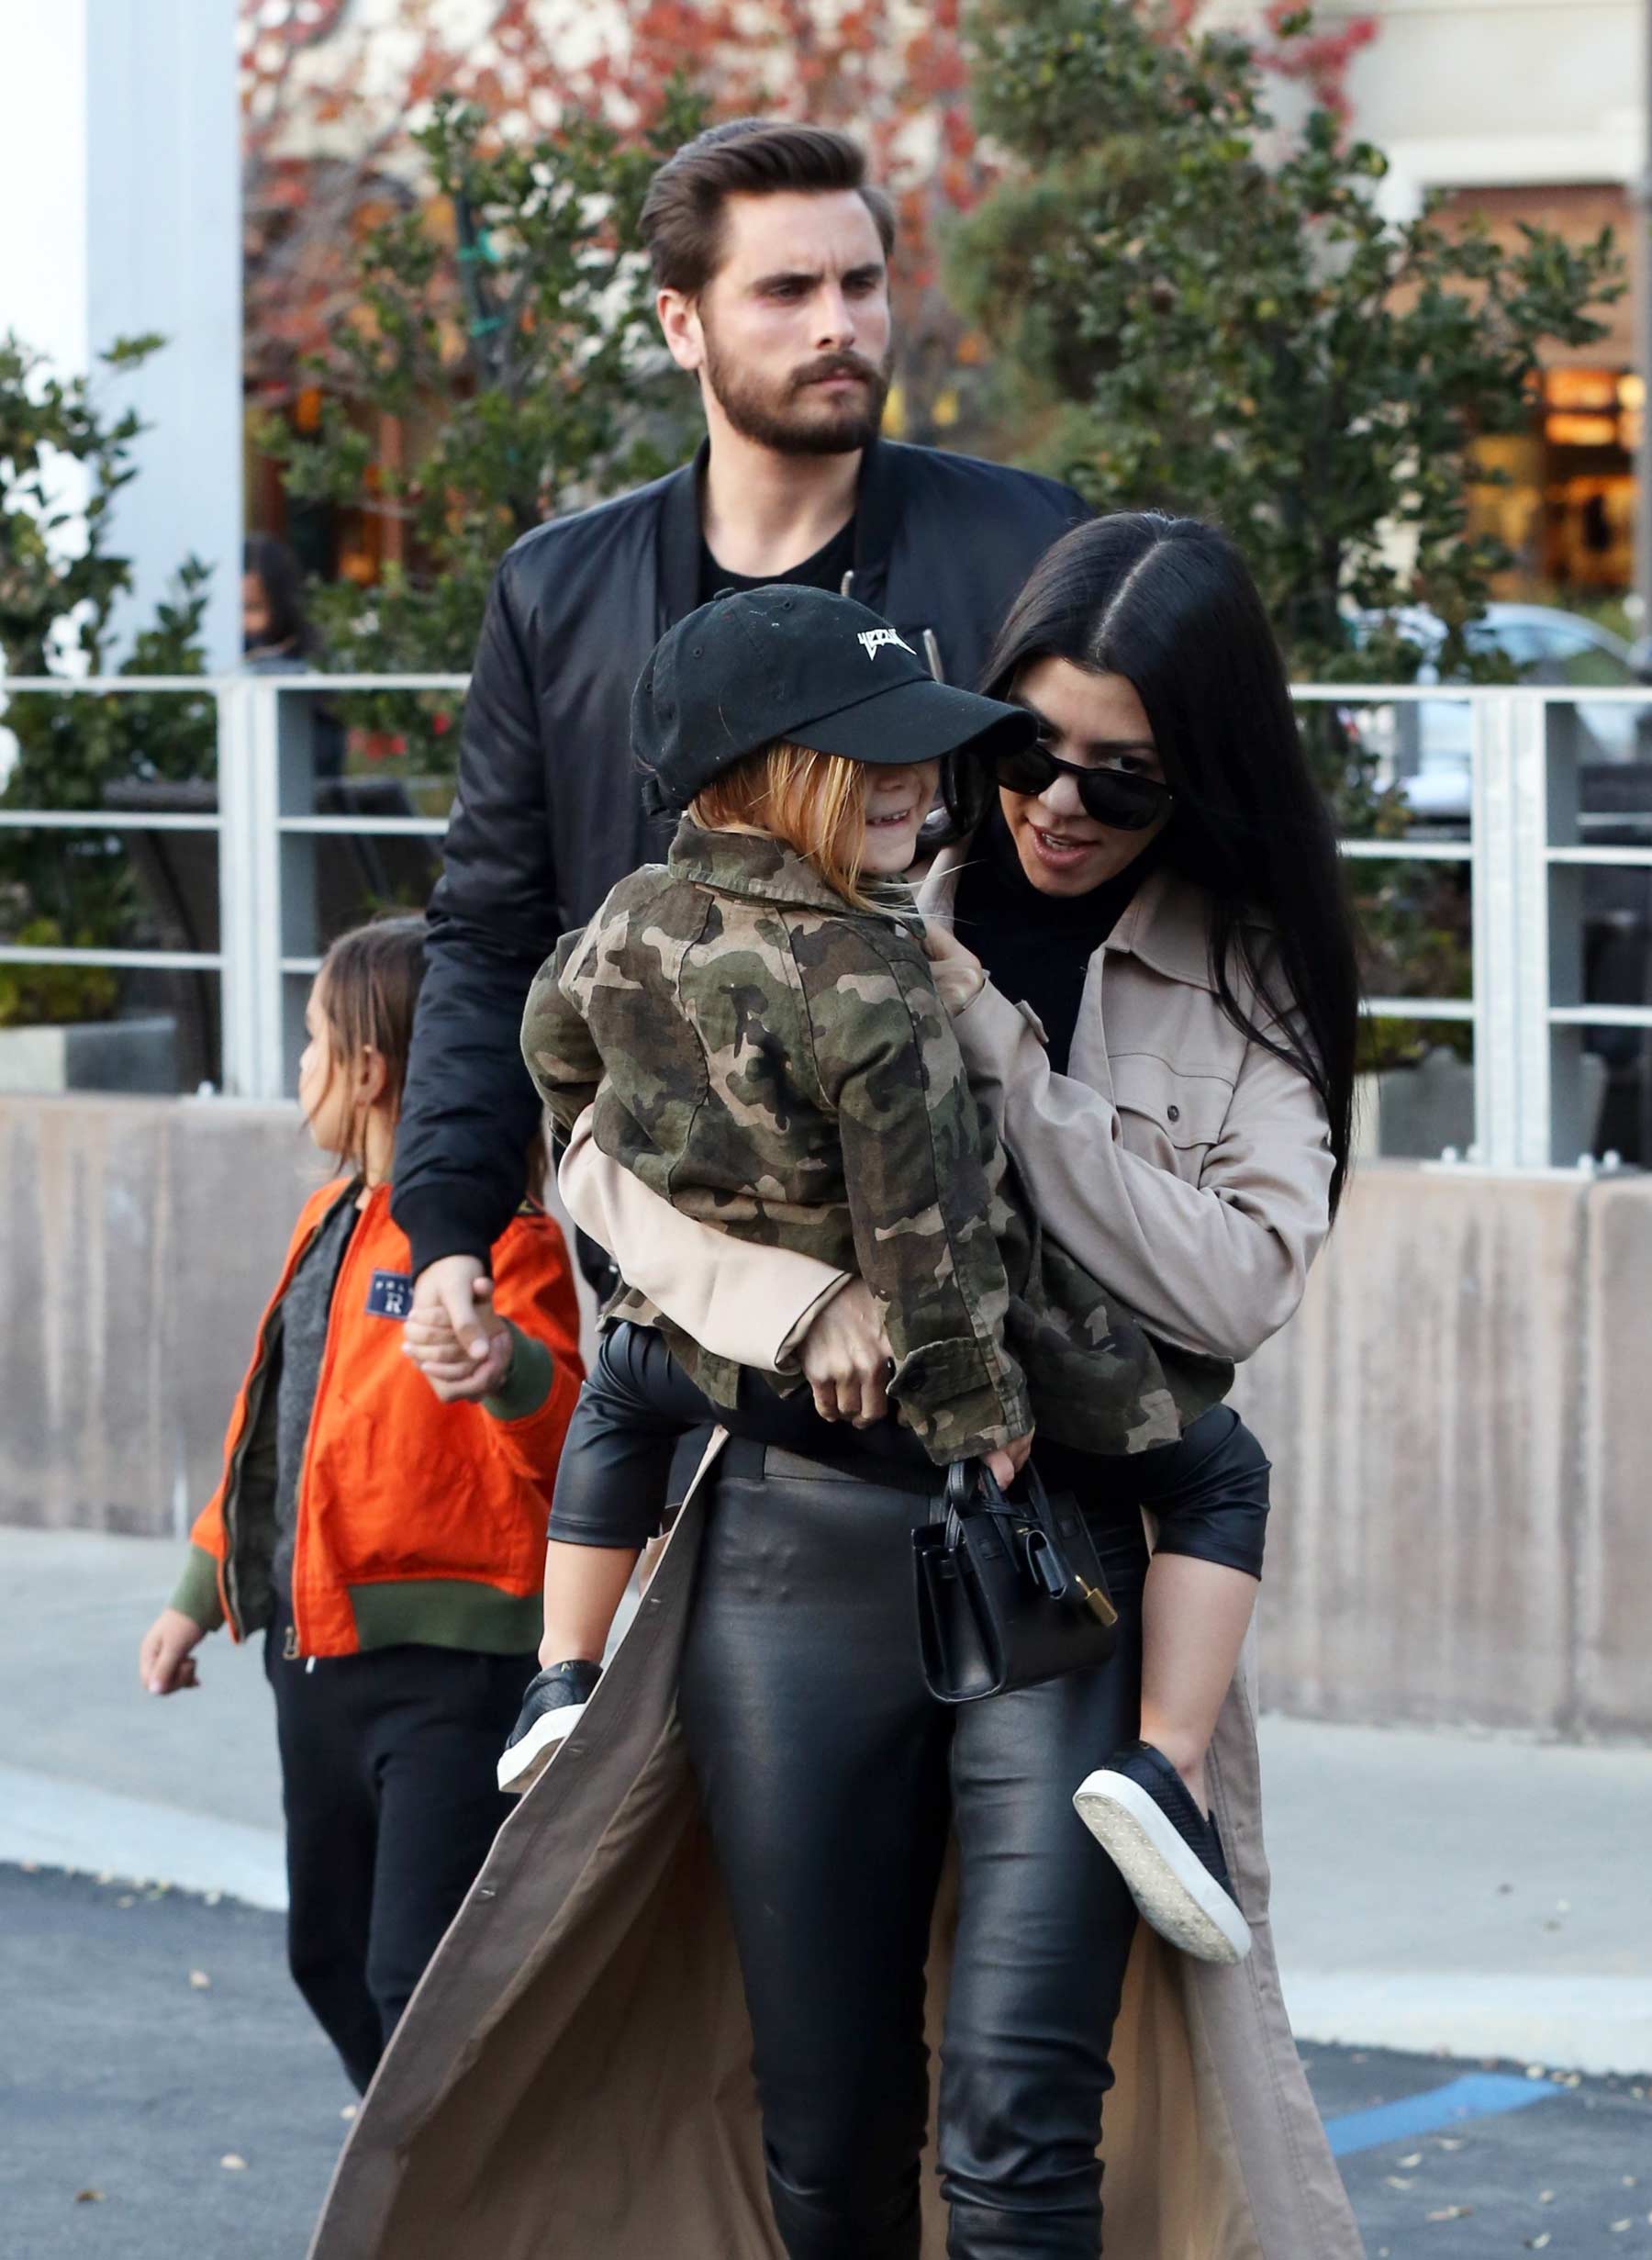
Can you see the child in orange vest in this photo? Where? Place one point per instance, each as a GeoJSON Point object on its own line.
{"type": "Point", "coordinates": [390, 1547]}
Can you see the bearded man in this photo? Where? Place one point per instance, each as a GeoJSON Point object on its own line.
{"type": "Point", "coordinates": [770, 252]}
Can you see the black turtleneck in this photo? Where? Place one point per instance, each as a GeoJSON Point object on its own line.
{"type": "Point", "coordinates": [1037, 948]}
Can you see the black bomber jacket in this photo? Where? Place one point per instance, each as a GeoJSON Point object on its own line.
{"type": "Point", "coordinates": [549, 811]}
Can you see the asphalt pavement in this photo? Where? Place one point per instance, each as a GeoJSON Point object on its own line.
{"type": "Point", "coordinates": [165, 2094]}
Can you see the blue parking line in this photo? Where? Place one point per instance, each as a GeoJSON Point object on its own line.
{"type": "Point", "coordinates": [1477, 2095]}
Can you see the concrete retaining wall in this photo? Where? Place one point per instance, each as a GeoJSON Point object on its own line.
{"type": "Point", "coordinates": [1460, 1416]}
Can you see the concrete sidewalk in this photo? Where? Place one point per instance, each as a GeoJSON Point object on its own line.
{"type": "Point", "coordinates": [1482, 1896]}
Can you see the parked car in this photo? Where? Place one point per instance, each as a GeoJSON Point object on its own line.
{"type": "Point", "coordinates": [1426, 747]}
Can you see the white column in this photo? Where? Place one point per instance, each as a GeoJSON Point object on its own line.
{"type": "Point", "coordinates": [119, 177]}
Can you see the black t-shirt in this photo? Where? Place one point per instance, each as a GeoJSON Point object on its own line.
{"type": "Point", "coordinates": [1037, 948]}
{"type": "Point", "coordinates": [825, 569]}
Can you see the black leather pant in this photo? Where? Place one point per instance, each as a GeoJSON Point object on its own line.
{"type": "Point", "coordinates": [830, 1777]}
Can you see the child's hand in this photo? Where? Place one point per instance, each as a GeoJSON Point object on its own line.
{"type": "Point", "coordinates": [431, 1340]}
{"type": "Point", "coordinates": [165, 1663]}
{"type": "Point", "coordinates": [959, 974]}
{"type": "Point", "coordinates": [1007, 1464]}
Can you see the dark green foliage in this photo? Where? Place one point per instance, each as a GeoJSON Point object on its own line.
{"type": "Point", "coordinates": [523, 361]}
{"type": "Point", "coordinates": [1207, 314]}
{"type": "Point", "coordinates": [57, 592]}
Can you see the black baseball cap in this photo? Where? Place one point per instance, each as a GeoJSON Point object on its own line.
{"type": "Point", "coordinates": [785, 662]}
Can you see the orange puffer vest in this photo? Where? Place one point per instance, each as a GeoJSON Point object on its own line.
{"type": "Point", "coordinates": [416, 1520]}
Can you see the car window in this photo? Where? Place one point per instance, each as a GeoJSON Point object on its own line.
{"type": "Point", "coordinates": [1514, 639]}
{"type": "Point", "coordinates": [1576, 658]}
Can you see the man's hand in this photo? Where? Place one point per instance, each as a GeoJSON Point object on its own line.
{"type": "Point", "coordinates": [845, 1358]}
{"type": "Point", "coordinates": [165, 1661]}
{"type": "Point", "coordinates": [454, 1334]}
{"type": "Point", "coordinates": [959, 975]}
{"type": "Point", "coordinates": [1007, 1464]}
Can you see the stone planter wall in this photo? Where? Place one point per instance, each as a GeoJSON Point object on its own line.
{"type": "Point", "coordinates": [1460, 1417]}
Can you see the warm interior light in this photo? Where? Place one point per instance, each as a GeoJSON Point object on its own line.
{"type": "Point", "coordinates": [1632, 391]}
{"type": "Point", "coordinates": [1581, 431]}
{"type": "Point", "coordinates": [1580, 388]}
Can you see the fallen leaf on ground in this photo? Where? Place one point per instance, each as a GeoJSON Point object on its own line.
{"type": "Point", "coordinates": [1415, 2159]}
{"type": "Point", "coordinates": [88, 2197]}
{"type": "Point", "coordinates": [1396, 2181]}
{"type": "Point", "coordinates": [1450, 2212]}
{"type": "Point", "coordinates": [199, 1980]}
{"type": "Point", "coordinates": [233, 2163]}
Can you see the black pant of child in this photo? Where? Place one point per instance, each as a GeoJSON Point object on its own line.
{"type": "Point", "coordinates": [1209, 1493]}
{"type": "Point", "coordinates": [388, 1769]}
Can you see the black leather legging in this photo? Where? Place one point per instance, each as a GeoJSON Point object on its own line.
{"type": "Point", "coordinates": [830, 1777]}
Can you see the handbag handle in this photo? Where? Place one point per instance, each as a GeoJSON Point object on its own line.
{"type": "Point", "coordinates": [1031, 1519]}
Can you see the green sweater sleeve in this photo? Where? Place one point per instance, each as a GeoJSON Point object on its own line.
{"type": "Point", "coordinates": [527, 1382]}
{"type": "Point", "coordinates": [196, 1595]}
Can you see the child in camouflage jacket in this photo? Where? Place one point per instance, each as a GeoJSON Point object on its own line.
{"type": "Point", "coordinates": [757, 1027]}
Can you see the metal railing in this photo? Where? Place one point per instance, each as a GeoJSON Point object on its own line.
{"type": "Point", "coordinates": [1524, 850]}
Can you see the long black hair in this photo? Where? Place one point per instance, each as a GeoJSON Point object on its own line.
{"type": "Point", "coordinates": [1170, 604]}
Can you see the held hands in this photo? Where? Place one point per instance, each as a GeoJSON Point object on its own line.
{"type": "Point", "coordinates": [959, 974]}
{"type": "Point", "coordinates": [454, 1334]}
{"type": "Point", "coordinates": [165, 1661]}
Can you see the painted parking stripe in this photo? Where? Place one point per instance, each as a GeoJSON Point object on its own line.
{"type": "Point", "coordinates": [1477, 2095]}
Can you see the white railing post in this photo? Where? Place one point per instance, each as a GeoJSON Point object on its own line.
{"type": "Point", "coordinates": [1511, 1055]}
{"type": "Point", "coordinates": [249, 888]}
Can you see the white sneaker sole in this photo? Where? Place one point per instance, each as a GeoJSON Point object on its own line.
{"type": "Point", "coordinates": [1170, 1885]}
{"type": "Point", "coordinates": [524, 1762]}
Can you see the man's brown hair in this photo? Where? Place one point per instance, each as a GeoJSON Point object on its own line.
{"type": "Point", "coordinates": [682, 214]}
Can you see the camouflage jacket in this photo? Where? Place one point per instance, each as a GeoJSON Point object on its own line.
{"type": "Point", "coordinates": [778, 1065]}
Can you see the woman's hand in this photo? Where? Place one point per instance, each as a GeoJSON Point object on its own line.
{"type": "Point", "coordinates": [845, 1358]}
{"type": "Point", "coordinates": [959, 974]}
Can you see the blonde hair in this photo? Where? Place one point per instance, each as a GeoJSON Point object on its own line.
{"type": "Point", "coordinates": [815, 803]}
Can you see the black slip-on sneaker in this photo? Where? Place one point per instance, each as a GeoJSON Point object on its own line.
{"type": "Point", "coordinates": [1140, 1809]}
{"type": "Point", "coordinates": [552, 1708]}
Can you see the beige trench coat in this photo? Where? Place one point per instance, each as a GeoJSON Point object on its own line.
{"type": "Point", "coordinates": [572, 2078]}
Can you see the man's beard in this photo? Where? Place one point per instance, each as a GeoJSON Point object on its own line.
{"type": "Point", "coordinates": [779, 416]}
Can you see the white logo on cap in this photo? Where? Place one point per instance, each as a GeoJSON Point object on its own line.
{"type": "Point", "coordinates": [872, 640]}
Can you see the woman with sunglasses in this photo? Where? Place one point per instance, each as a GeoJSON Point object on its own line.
{"type": "Point", "coordinates": [1151, 970]}
{"type": "Point", "coordinates": [1153, 990]}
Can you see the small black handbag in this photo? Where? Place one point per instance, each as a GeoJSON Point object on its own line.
{"type": "Point", "coordinates": [1010, 1590]}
